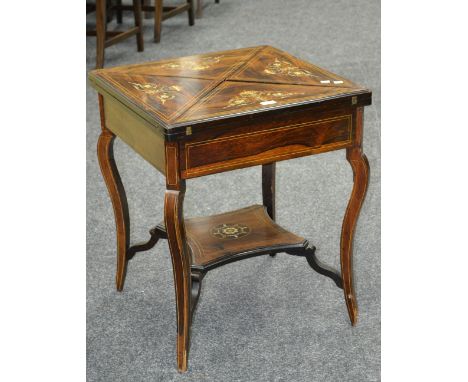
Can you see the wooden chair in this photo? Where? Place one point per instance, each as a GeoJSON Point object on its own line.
{"type": "Point", "coordinates": [199, 12]}
{"type": "Point", "coordinates": [106, 38]}
{"type": "Point", "coordinates": [161, 13]}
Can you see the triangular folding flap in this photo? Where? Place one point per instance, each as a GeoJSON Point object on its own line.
{"type": "Point", "coordinates": [206, 66]}
{"type": "Point", "coordinates": [272, 65]}
{"type": "Point", "coordinates": [233, 97]}
{"type": "Point", "coordinates": [164, 97]}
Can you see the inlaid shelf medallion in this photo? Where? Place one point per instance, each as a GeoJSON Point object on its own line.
{"type": "Point", "coordinates": [230, 231]}
{"type": "Point", "coordinates": [200, 115]}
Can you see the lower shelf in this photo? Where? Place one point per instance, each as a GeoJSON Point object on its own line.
{"type": "Point", "coordinates": [220, 239]}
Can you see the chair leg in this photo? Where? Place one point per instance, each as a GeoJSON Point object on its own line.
{"type": "Point", "coordinates": [119, 11]}
{"type": "Point", "coordinates": [101, 27]}
{"type": "Point", "coordinates": [109, 11]}
{"type": "Point", "coordinates": [158, 12]}
{"type": "Point", "coordinates": [147, 14]}
{"type": "Point", "coordinates": [199, 12]}
{"type": "Point", "coordinates": [191, 14]}
{"type": "Point", "coordinates": [139, 24]}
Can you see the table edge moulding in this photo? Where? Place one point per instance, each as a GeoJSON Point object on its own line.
{"type": "Point", "coordinates": [199, 115]}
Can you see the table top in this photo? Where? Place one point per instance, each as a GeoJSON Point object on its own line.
{"type": "Point", "coordinates": [181, 92]}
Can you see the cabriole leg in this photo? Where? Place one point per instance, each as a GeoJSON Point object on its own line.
{"type": "Point", "coordinates": [117, 195]}
{"type": "Point", "coordinates": [360, 166]}
{"type": "Point", "coordinates": [181, 260]}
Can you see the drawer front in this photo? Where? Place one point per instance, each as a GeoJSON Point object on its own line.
{"type": "Point", "coordinates": [286, 142]}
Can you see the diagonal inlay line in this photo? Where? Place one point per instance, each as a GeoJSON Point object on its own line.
{"type": "Point", "coordinates": [225, 76]}
{"type": "Point", "coordinates": [293, 83]}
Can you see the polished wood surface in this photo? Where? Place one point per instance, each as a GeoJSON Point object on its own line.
{"type": "Point", "coordinates": [225, 237]}
{"type": "Point", "coordinates": [190, 91]}
{"type": "Point", "coordinates": [199, 115]}
{"type": "Point", "coordinates": [276, 143]}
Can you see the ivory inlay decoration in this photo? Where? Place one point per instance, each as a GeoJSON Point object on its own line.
{"type": "Point", "coordinates": [200, 64]}
{"type": "Point", "coordinates": [162, 92]}
{"type": "Point", "coordinates": [249, 97]}
{"type": "Point", "coordinates": [288, 69]}
{"type": "Point", "coordinates": [230, 231]}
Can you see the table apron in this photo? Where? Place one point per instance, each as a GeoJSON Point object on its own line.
{"type": "Point", "coordinates": [266, 146]}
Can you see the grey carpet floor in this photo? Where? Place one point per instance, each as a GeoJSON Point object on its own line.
{"type": "Point", "coordinates": [262, 319]}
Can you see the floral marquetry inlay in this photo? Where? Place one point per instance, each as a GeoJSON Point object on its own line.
{"type": "Point", "coordinates": [200, 64]}
{"type": "Point", "coordinates": [162, 92]}
{"type": "Point", "coordinates": [230, 231]}
{"type": "Point", "coordinates": [286, 68]}
{"type": "Point", "coordinates": [177, 94]}
{"type": "Point", "coordinates": [249, 97]}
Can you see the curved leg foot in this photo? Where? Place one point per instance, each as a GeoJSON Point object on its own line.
{"type": "Point", "coordinates": [360, 166]}
{"type": "Point", "coordinates": [322, 268]}
{"type": "Point", "coordinates": [117, 195]}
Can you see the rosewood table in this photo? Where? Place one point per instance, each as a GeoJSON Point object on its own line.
{"type": "Point", "coordinates": [199, 115]}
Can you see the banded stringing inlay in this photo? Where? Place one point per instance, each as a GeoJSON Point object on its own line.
{"type": "Point", "coordinates": [230, 231]}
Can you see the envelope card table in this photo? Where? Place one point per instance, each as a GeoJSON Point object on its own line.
{"type": "Point", "coordinates": [211, 113]}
